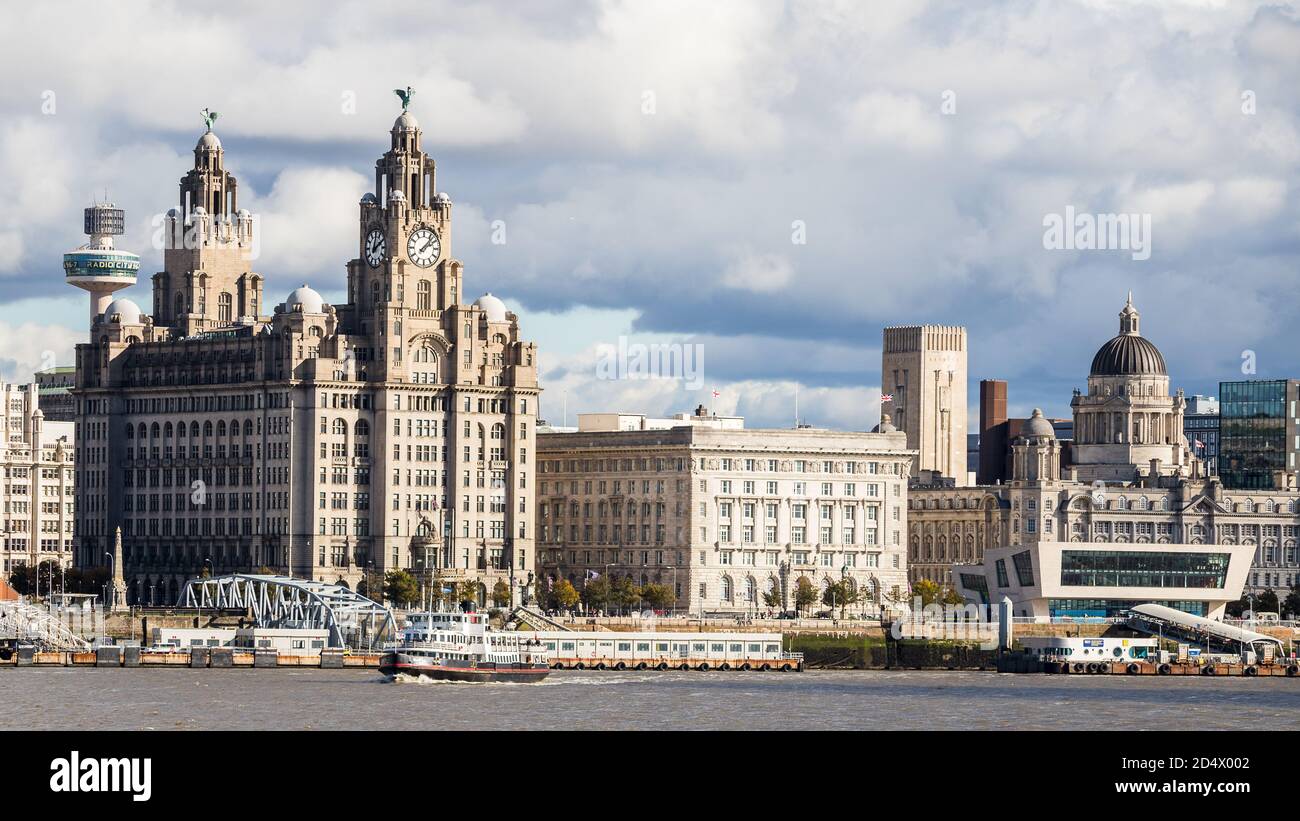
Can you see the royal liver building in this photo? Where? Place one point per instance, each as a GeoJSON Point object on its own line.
{"type": "Point", "coordinates": [331, 442]}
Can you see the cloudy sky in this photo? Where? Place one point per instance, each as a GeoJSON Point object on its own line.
{"type": "Point", "coordinates": [774, 182]}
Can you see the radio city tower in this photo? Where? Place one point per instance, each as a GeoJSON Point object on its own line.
{"type": "Point", "coordinates": [97, 266]}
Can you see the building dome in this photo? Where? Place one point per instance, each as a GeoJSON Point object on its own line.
{"type": "Point", "coordinates": [406, 122]}
{"type": "Point", "coordinates": [368, 197]}
{"type": "Point", "coordinates": [208, 142]}
{"type": "Point", "coordinates": [310, 301]}
{"type": "Point", "coordinates": [124, 309]}
{"type": "Point", "coordinates": [1129, 354]}
{"type": "Point", "coordinates": [493, 307]}
{"type": "Point", "coordinates": [1037, 425]}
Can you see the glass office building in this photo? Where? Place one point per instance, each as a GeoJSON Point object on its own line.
{"type": "Point", "coordinates": [1257, 431]}
{"type": "Point", "coordinates": [1201, 427]}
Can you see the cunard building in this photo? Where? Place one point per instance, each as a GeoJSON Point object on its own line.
{"type": "Point", "coordinates": [330, 442]}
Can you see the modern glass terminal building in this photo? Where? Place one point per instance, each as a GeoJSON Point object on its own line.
{"type": "Point", "coordinates": [1099, 579]}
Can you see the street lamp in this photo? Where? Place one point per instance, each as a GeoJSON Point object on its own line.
{"type": "Point", "coordinates": [107, 583]}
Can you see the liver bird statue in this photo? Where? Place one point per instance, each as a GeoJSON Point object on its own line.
{"type": "Point", "coordinates": [209, 117]}
{"type": "Point", "coordinates": [405, 96]}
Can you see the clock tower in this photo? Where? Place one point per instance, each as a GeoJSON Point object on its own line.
{"type": "Point", "coordinates": [404, 235]}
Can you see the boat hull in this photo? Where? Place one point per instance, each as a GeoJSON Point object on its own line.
{"type": "Point", "coordinates": [393, 664]}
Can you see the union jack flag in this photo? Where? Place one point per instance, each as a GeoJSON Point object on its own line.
{"type": "Point", "coordinates": [886, 397]}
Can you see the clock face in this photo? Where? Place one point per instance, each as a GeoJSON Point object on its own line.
{"type": "Point", "coordinates": [375, 247]}
{"type": "Point", "coordinates": [423, 247]}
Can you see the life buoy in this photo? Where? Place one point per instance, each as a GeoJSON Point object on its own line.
{"type": "Point", "coordinates": [1133, 669]}
{"type": "Point", "coordinates": [1163, 669]}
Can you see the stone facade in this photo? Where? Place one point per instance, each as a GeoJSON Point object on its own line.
{"type": "Point", "coordinates": [923, 367]}
{"type": "Point", "coordinates": [332, 442]}
{"type": "Point", "coordinates": [724, 516]}
{"type": "Point", "coordinates": [38, 496]}
{"type": "Point", "coordinates": [1165, 499]}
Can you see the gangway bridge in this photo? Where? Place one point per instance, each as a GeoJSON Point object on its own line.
{"type": "Point", "coordinates": [22, 622]}
{"type": "Point", "coordinates": [1215, 636]}
{"type": "Point", "coordinates": [353, 621]}
{"type": "Point", "coordinates": [537, 619]}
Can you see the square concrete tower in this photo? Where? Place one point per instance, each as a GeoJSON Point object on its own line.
{"type": "Point", "coordinates": [923, 367]}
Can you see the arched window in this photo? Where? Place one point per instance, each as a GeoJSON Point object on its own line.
{"type": "Point", "coordinates": [180, 305]}
{"type": "Point", "coordinates": [340, 427]}
{"type": "Point", "coordinates": [225, 308]}
{"type": "Point", "coordinates": [141, 432]}
{"type": "Point", "coordinates": [727, 592]}
{"type": "Point", "coordinates": [751, 589]}
{"type": "Point", "coordinates": [498, 431]}
{"type": "Point", "coordinates": [207, 428]}
{"type": "Point", "coordinates": [221, 427]}
{"type": "Point", "coordinates": [167, 430]}
{"type": "Point", "coordinates": [248, 427]}
{"type": "Point", "coordinates": [194, 429]}
{"type": "Point", "coordinates": [423, 295]}
{"type": "Point", "coordinates": [362, 428]}
{"type": "Point", "coordinates": [130, 431]}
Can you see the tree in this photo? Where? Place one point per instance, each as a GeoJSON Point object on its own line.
{"type": "Point", "coordinates": [1292, 602]}
{"type": "Point", "coordinates": [466, 591]}
{"type": "Point", "coordinates": [772, 598]}
{"type": "Point", "coordinates": [595, 593]}
{"type": "Point", "coordinates": [401, 588]}
{"type": "Point", "coordinates": [929, 592]}
{"type": "Point", "coordinates": [840, 594]}
{"type": "Point", "coordinates": [501, 593]}
{"type": "Point", "coordinates": [1266, 602]}
{"type": "Point", "coordinates": [564, 596]}
{"type": "Point", "coordinates": [658, 596]}
{"type": "Point", "coordinates": [805, 594]}
{"type": "Point", "coordinates": [623, 593]}
{"type": "Point", "coordinates": [47, 576]}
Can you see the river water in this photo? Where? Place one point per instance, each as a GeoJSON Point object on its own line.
{"type": "Point", "coordinates": [170, 699]}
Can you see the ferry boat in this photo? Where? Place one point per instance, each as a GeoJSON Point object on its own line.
{"type": "Point", "coordinates": [459, 646]}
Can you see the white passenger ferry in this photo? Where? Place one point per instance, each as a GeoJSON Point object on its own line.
{"type": "Point", "coordinates": [461, 647]}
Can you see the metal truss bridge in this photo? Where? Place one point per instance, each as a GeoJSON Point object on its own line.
{"type": "Point", "coordinates": [353, 621]}
{"type": "Point", "coordinates": [24, 623]}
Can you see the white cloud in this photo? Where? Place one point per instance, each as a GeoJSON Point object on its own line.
{"type": "Point", "coordinates": [762, 273]}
